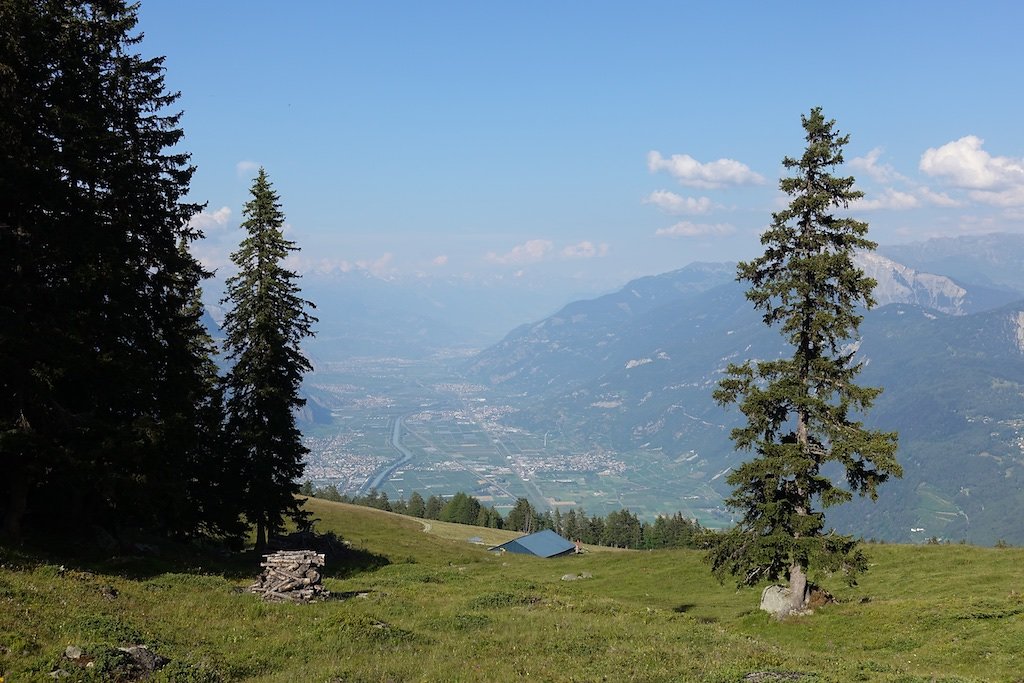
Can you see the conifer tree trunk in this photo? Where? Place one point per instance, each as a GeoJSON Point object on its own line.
{"type": "Point", "coordinates": [17, 502]}
{"type": "Point", "coordinates": [261, 536]}
{"type": "Point", "coordinates": [797, 588]}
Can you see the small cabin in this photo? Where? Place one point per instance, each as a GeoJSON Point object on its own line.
{"type": "Point", "coordinates": [542, 544]}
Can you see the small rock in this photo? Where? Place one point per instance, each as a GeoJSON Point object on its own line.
{"type": "Point", "coordinates": [765, 676]}
{"type": "Point", "coordinates": [59, 673]}
{"type": "Point", "coordinates": [586, 575]}
{"type": "Point", "coordinates": [72, 652]}
{"type": "Point", "coordinates": [150, 661]}
{"type": "Point", "coordinates": [569, 577]}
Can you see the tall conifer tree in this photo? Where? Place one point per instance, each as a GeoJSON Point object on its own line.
{"type": "Point", "coordinates": [799, 410]}
{"type": "Point", "coordinates": [265, 325]}
{"type": "Point", "coordinates": [94, 289]}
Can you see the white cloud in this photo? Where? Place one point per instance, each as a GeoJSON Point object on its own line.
{"type": "Point", "coordinates": [674, 203]}
{"type": "Point", "coordinates": [528, 252]}
{"type": "Point", "coordinates": [936, 198]}
{"type": "Point", "coordinates": [688, 229]}
{"type": "Point", "coordinates": [211, 220]}
{"type": "Point", "coordinates": [1013, 196]}
{"type": "Point", "coordinates": [246, 169]}
{"type": "Point", "coordinates": [441, 260]}
{"type": "Point", "coordinates": [382, 267]}
{"type": "Point", "coordinates": [888, 199]}
{"type": "Point", "coordinates": [379, 267]}
{"type": "Point", "coordinates": [891, 198]}
{"type": "Point", "coordinates": [965, 164]}
{"type": "Point", "coordinates": [585, 249]}
{"type": "Point", "coordinates": [212, 257]}
{"type": "Point", "coordinates": [882, 173]}
{"type": "Point", "coordinates": [326, 266]}
{"type": "Point", "coordinates": [714, 174]}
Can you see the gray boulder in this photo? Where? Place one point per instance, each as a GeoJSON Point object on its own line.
{"type": "Point", "coordinates": [775, 601]}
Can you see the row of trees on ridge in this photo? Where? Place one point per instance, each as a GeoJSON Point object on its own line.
{"type": "Point", "coordinates": [618, 529]}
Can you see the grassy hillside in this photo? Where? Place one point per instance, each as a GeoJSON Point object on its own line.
{"type": "Point", "coordinates": [416, 605]}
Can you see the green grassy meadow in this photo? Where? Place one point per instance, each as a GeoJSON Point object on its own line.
{"type": "Point", "coordinates": [414, 605]}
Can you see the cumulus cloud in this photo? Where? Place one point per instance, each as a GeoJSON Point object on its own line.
{"type": "Point", "coordinates": [212, 257]}
{"type": "Point", "coordinates": [441, 260]}
{"type": "Point", "coordinates": [379, 267]}
{"type": "Point", "coordinates": [211, 220]}
{"type": "Point", "coordinates": [891, 198]}
{"type": "Point", "coordinates": [888, 199]}
{"type": "Point", "coordinates": [882, 173]}
{"type": "Point", "coordinates": [713, 174]}
{"type": "Point", "coordinates": [528, 252]}
{"type": "Point", "coordinates": [1010, 197]}
{"type": "Point", "coordinates": [246, 169]}
{"type": "Point", "coordinates": [671, 202]}
{"type": "Point", "coordinates": [688, 229]}
{"type": "Point", "coordinates": [585, 249]}
{"type": "Point", "coordinates": [937, 198]}
{"type": "Point", "coordinates": [382, 267]}
{"type": "Point", "coordinates": [327, 266]}
{"type": "Point", "coordinates": [965, 164]}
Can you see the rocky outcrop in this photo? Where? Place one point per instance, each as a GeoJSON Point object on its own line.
{"type": "Point", "coordinates": [900, 284]}
{"type": "Point", "coordinates": [1018, 322]}
{"type": "Point", "coordinates": [776, 600]}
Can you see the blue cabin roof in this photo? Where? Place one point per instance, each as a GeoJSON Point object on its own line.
{"type": "Point", "coordinates": [542, 544]}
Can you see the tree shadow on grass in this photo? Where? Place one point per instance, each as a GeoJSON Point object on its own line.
{"type": "Point", "coordinates": [701, 619]}
{"type": "Point", "coordinates": [149, 557]}
{"type": "Point", "coordinates": [353, 562]}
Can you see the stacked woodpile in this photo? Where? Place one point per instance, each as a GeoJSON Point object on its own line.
{"type": "Point", "coordinates": [290, 575]}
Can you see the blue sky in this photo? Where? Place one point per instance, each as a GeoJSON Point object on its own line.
{"type": "Point", "coordinates": [585, 142]}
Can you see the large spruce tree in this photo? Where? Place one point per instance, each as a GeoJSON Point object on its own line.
{"type": "Point", "coordinates": [266, 322]}
{"type": "Point", "coordinates": [98, 352]}
{"type": "Point", "coordinates": [800, 411]}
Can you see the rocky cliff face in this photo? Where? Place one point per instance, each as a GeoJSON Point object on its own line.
{"type": "Point", "coordinates": [900, 284]}
{"type": "Point", "coordinates": [1017, 320]}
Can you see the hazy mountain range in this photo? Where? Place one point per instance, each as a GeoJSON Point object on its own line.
{"type": "Point", "coordinates": [637, 368]}
{"type": "Point", "coordinates": [415, 317]}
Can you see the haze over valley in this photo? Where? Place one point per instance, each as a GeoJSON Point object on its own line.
{"type": "Point", "coordinates": [606, 404]}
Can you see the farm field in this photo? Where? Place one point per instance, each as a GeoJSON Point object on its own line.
{"type": "Point", "coordinates": [402, 426]}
